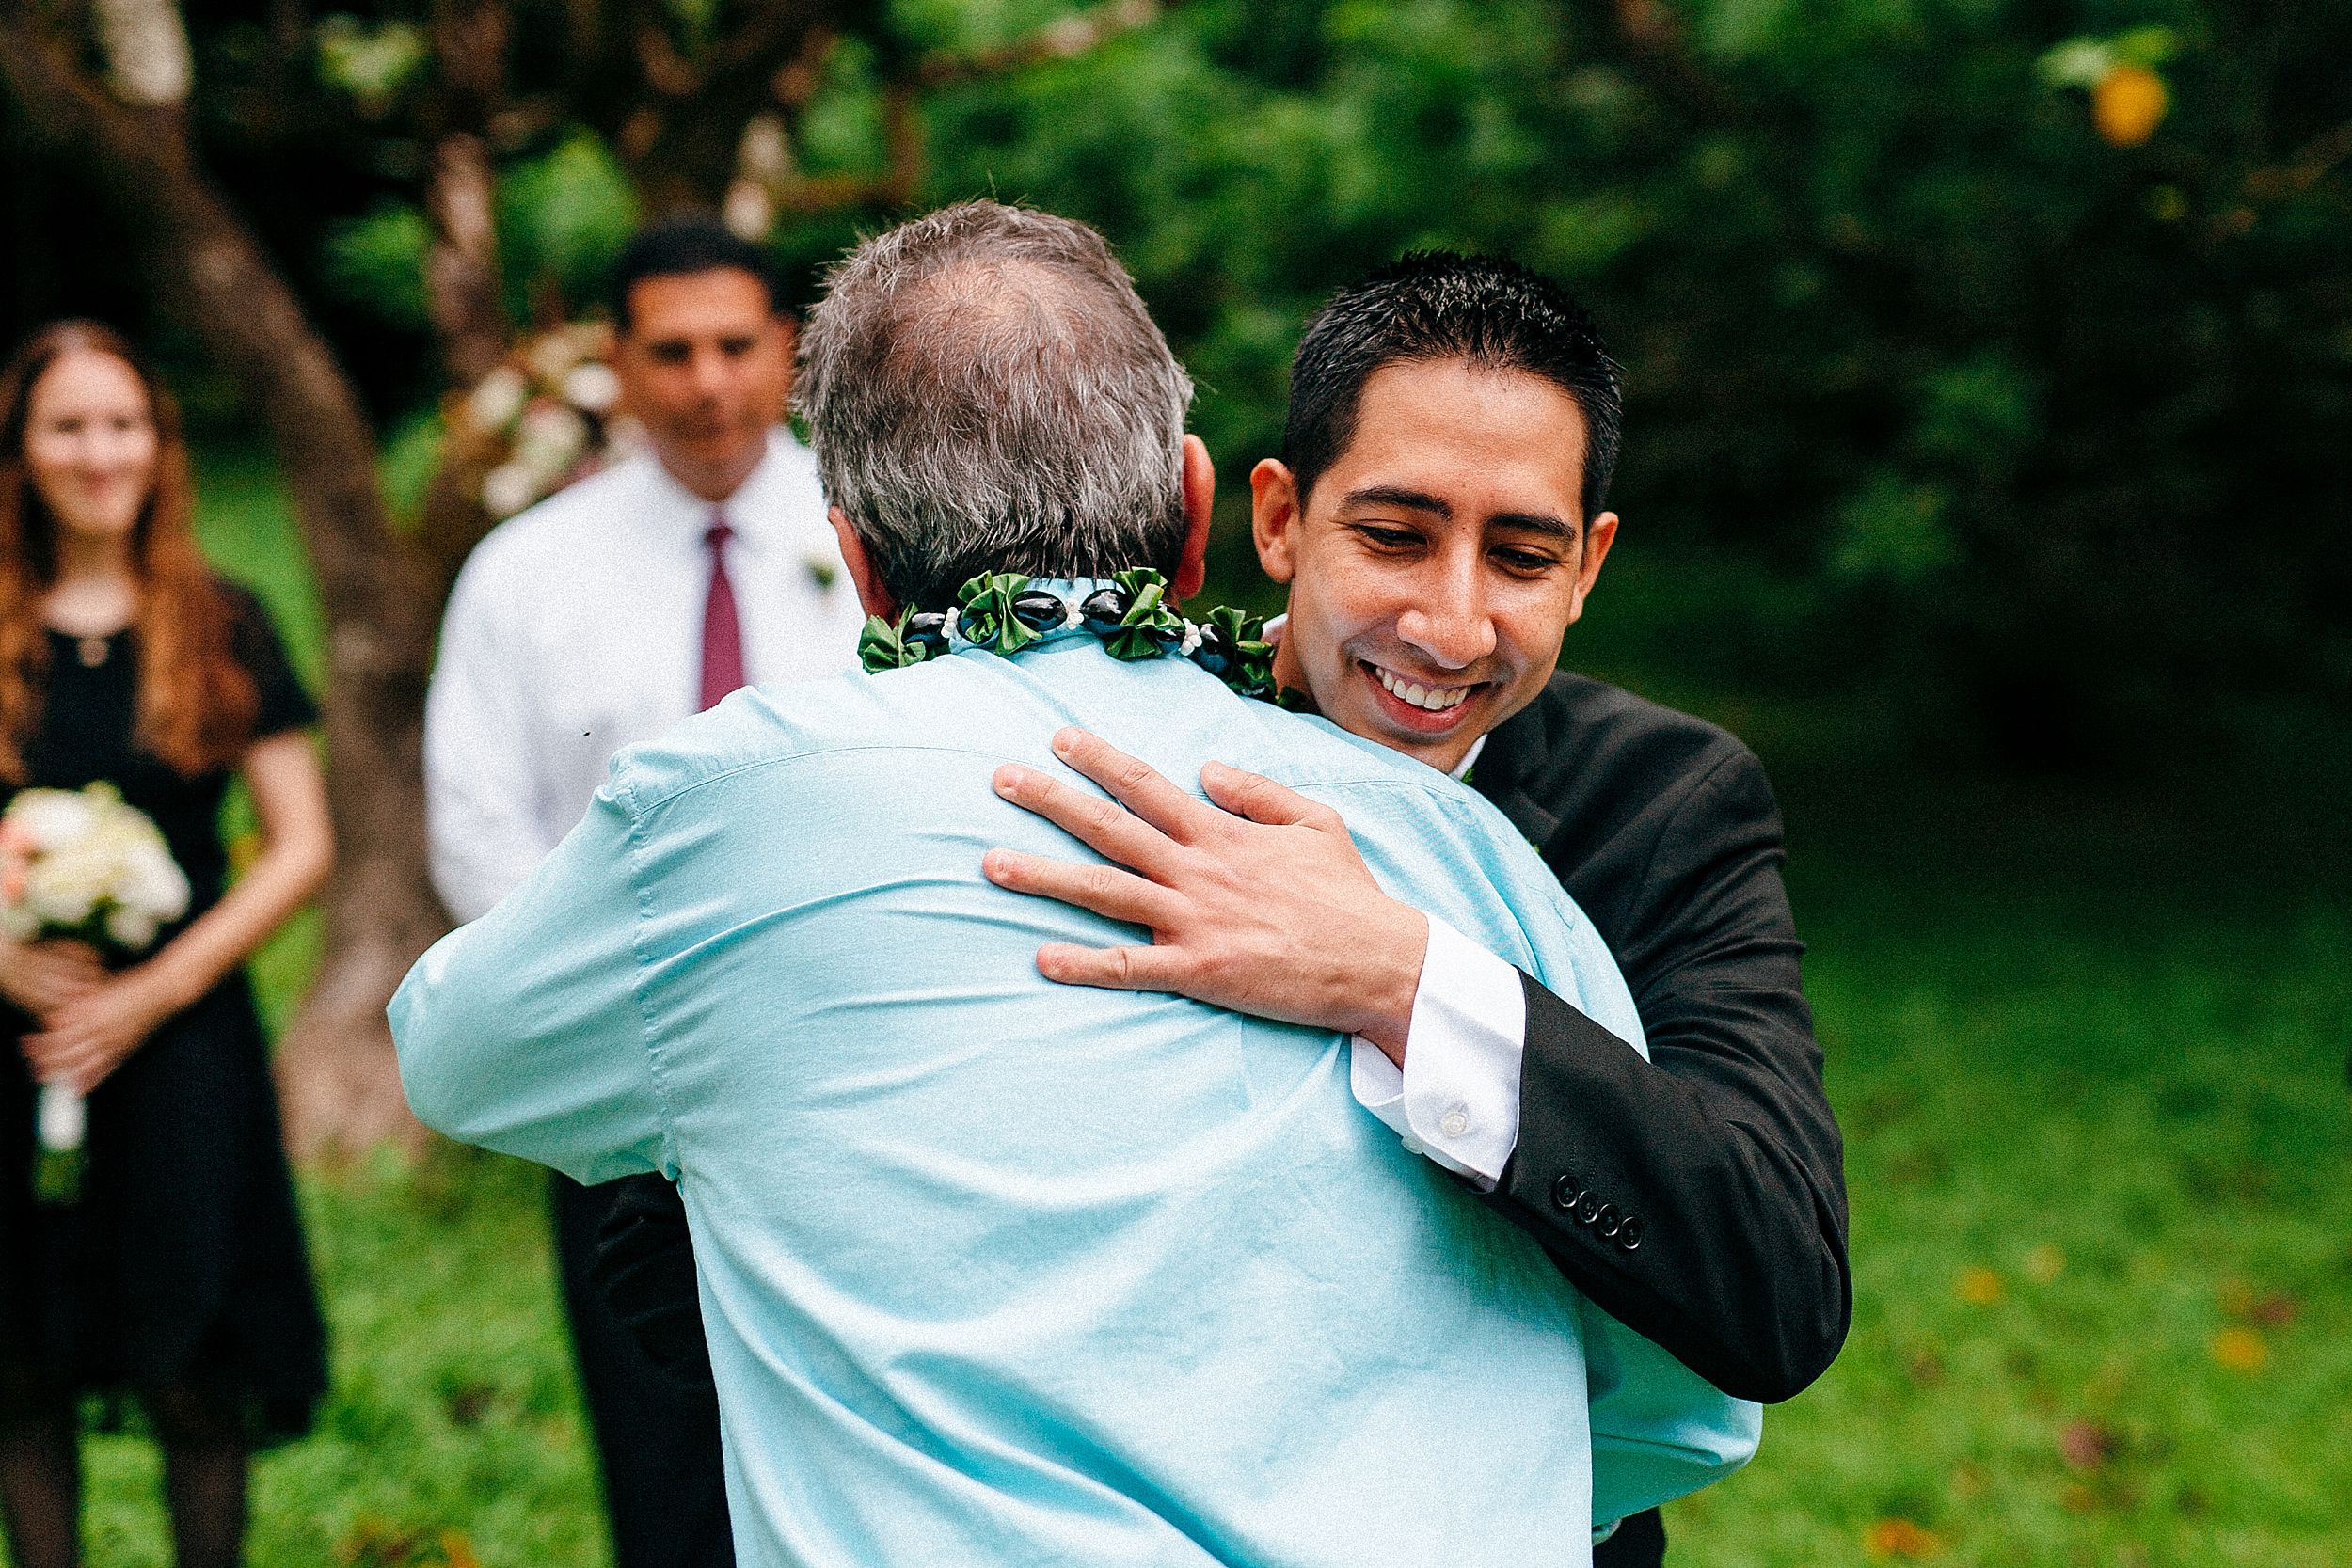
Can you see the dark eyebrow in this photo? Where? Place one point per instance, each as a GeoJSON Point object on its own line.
{"type": "Point", "coordinates": [1535, 522]}
{"type": "Point", "coordinates": [1390, 495]}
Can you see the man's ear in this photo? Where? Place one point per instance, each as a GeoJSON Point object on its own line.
{"type": "Point", "coordinates": [1274, 503]}
{"type": "Point", "coordinates": [1199, 480]}
{"type": "Point", "coordinates": [863, 575]}
{"type": "Point", "coordinates": [1600, 534]}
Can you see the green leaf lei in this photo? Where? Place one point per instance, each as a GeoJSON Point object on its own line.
{"type": "Point", "coordinates": [1005, 611]}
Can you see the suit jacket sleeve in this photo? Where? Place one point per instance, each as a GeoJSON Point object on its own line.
{"type": "Point", "coordinates": [1698, 1197]}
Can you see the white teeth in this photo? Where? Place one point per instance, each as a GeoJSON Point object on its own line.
{"type": "Point", "coordinates": [1420, 696]}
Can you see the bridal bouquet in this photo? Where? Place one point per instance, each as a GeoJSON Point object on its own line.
{"type": "Point", "coordinates": [80, 865]}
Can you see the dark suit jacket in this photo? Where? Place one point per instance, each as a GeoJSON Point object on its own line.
{"type": "Point", "coordinates": [1700, 1197]}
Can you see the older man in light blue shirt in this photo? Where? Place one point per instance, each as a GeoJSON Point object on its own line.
{"type": "Point", "coordinates": [997, 1271]}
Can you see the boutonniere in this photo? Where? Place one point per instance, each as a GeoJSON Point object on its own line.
{"type": "Point", "coordinates": [822, 571]}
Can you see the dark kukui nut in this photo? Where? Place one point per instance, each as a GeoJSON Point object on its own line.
{"type": "Point", "coordinates": [928, 630]}
{"type": "Point", "coordinates": [1038, 610]}
{"type": "Point", "coordinates": [1101, 610]}
{"type": "Point", "coordinates": [1215, 651]}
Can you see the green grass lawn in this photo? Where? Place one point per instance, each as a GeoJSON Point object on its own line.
{"type": "Point", "coordinates": [2089, 1050]}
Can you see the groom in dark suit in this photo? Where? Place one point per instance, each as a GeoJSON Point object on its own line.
{"type": "Point", "coordinates": [1435, 560]}
{"type": "Point", "coordinates": [1439, 517]}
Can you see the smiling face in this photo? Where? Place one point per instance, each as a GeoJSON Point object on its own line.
{"type": "Point", "coordinates": [1439, 560]}
{"type": "Point", "coordinates": [90, 445]}
{"type": "Point", "coordinates": [705, 365]}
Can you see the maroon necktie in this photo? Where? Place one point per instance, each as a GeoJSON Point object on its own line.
{"type": "Point", "coordinates": [723, 631]}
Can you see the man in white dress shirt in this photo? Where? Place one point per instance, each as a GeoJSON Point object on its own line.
{"type": "Point", "coordinates": [597, 619]}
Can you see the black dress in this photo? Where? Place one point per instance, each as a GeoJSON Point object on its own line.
{"type": "Point", "coordinates": [182, 1263]}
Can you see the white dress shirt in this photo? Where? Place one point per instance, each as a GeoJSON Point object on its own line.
{"type": "Point", "coordinates": [576, 629]}
{"type": "Point", "coordinates": [1456, 1098]}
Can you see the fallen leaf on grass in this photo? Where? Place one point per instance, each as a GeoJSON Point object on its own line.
{"type": "Point", "coordinates": [2086, 1444]}
{"type": "Point", "coordinates": [1899, 1537]}
{"type": "Point", "coordinates": [375, 1542]}
{"type": "Point", "coordinates": [467, 1401]}
{"type": "Point", "coordinates": [1978, 1286]}
{"type": "Point", "coordinates": [2241, 1350]}
{"type": "Point", "coordinates": [2276, 1310]}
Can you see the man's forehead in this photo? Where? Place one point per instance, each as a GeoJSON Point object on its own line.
{"type": "Point", "coordinates": [669, 305]}
{"type": "Point", "coordinates": [1459, 439]}
{"type": "Point", "coordinates": [1415, 394]}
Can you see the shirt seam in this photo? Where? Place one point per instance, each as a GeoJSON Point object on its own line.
{"type": "Point", "coordinates": [1444, 796]}
{"type": "Point", "coordinates": [641, 890]}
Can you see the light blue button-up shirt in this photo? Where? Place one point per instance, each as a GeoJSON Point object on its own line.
{"type": "Point", "coordinates": [997, 1271]}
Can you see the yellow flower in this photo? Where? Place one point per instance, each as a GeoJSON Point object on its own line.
{"type": "Point", "coordinates": [1978, 1286]}
{"type": "Point", "coordinates": [2128, 105]}
{"type": "Point", "coordinates": [2241, 1350]}
{"type": "Point", "coordinates": [1899, 1537]}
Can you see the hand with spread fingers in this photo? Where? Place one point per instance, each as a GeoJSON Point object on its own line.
{"type": "Point", "coordinates": [1257, 902]}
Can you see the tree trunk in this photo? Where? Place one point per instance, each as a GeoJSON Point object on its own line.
{"type": "Point", "coordinates": [338, 1074]}
{"type": "Point", "coordinates": [461, 271]}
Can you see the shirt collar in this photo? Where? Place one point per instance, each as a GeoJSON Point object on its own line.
{"type": "Point", "coordinates": [742, 513]}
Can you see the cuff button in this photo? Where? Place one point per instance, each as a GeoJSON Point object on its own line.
{"type": "Point", "coordinates": [1629, 1234]}
{"type": "Point", "coordinates": [1453, 1124]}
{"type": "Point", "coordinates": [1610, 1221]}
{"type": "Point", "coordinates": [1587, 1207]}
{"type": "Point", "coordinates": [1565, 1192]}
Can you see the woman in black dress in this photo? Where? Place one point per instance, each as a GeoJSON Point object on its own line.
{"type": "Point", "coordinates": [177, 1278]}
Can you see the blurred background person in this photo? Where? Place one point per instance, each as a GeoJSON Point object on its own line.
{"type": "Point", "coordinates": [597, 619]}
{"type": "Point", "coordinates": [178, 1274]}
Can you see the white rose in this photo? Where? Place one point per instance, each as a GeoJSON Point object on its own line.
{"type": "Point", "coordinates": [508, 488]}
{"type": "Point", "coordinates": [53, 817]}
{"type": "Point", "coordinates": [132, 930]}
{"type": "Point", "coordinates": [552, 354]}
{"type": "Point", "coordinates": [551, 438]}
{"type": "Point", "coordinates": [591, 386]}
{"type": "Point", "coordinates": [148, 880]}
{"type": "Point", "coordinates": [497, 398]}
{"type": "Point", "coordinates": [64, 886]}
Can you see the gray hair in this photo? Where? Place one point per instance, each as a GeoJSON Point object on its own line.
{"type": "Point", "coordinates": [985, 392]}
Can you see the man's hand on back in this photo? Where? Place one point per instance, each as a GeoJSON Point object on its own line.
{"type": "Point", "coordinates": [1263, 907]}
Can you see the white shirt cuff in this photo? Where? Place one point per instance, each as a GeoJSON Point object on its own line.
{"type": "Point", "coordinates": [1456, 1099]}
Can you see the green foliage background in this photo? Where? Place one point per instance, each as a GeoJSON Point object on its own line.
{"type": "Point", "coordinates": [1955, 435]}
{"type": "Point", "coordinates": [2041, 441]}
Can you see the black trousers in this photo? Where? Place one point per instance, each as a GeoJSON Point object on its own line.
{"type": "Point", "coordinates": [656, 1438]}
{"type": "Point", "coordinates": [1640, 1543]}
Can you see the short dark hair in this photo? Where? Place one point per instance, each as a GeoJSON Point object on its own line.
{"type": "Point", "coordinates": [678, 246]}
{"type": "Point", "coordinates": [1431, 305]}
